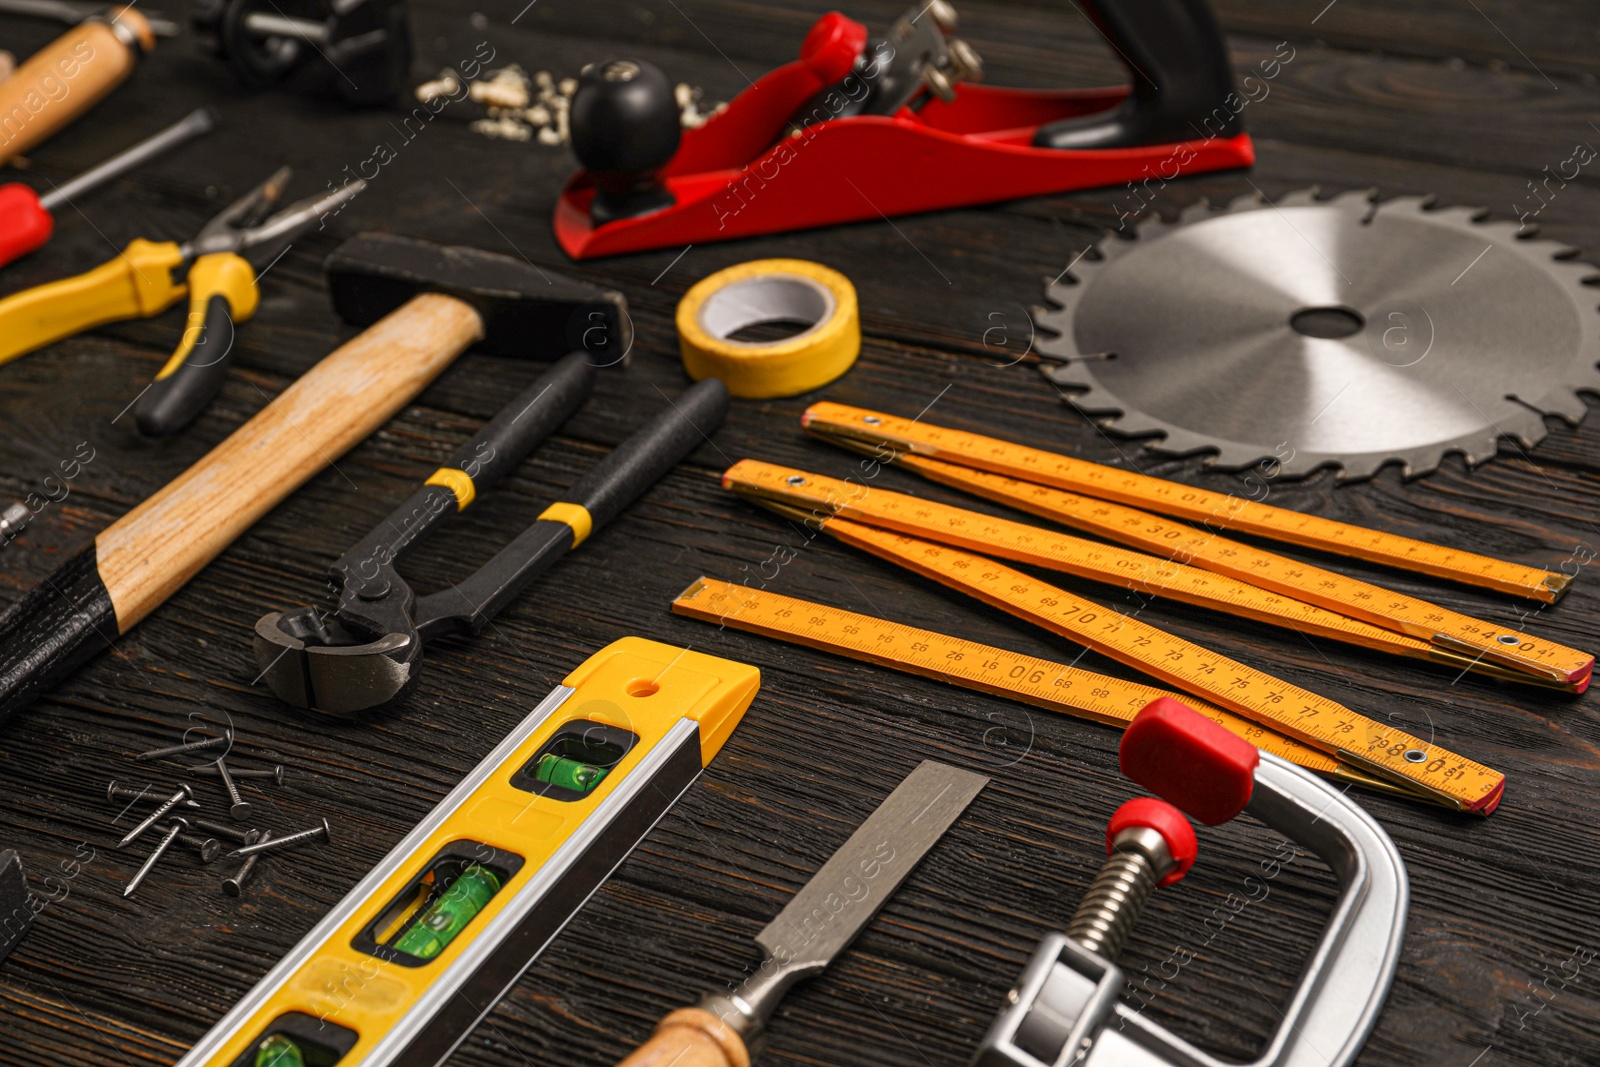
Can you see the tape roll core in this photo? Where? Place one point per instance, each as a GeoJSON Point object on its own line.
{"type": "Point", "coordinates": [768, 291]}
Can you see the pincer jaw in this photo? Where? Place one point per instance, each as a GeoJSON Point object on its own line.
{"type": "Point", "coordinates": [312, 666]}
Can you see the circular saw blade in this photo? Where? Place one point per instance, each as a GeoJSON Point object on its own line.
{"type": "Point", "coordinates": [1314, 333]}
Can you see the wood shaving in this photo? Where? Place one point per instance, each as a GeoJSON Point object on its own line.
{"type": "Point", "coordinates": [519, 107]}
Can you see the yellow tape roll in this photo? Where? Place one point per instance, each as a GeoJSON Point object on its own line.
{"type": "Point", "coordinates": [770, 290]}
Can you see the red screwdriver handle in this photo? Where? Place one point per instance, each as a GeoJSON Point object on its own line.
{"type": "Point", "coordinates": [1180, 755]}
{"type": "Point", "coordinates": [25, 225]}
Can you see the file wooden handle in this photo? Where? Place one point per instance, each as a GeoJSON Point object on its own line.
{"type": "Point", "coordinates": [67, 77]}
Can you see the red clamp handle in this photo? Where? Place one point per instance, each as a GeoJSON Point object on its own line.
{"type": "Point", "coordinates": [25, 225]}
{"type": "Point", "coordinates": [1179, 754]}
{"type": "Point", "coordinates": [1166, 820]}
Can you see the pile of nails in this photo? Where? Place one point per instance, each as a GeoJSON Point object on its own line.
{"type": "Point", "coordinates": [205, 836]}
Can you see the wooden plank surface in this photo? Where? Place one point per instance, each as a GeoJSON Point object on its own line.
{"type": "Point", "coordinates": [1465, 101]}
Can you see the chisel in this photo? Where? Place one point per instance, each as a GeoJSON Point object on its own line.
{"type": "Point", "coordinates": [819, 923]}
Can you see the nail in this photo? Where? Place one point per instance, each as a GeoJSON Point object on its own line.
{"type": "Point", "coordinates": [275, 772]}
{"type": "Point", "coordinates": [183, 793]}
{"type": "Point", "coordinates": [210, 848]}
{"type": "Point", "coordinates": [193, 746]}
{"type": "Point", "coordinates": [234, 885]}
{"type": "Point", "coordinates": [116, 791]}
{"type": "Point", "coordinates": [241, 806]}
{"type": "Point", "coordinates": [232, 833]}
{"type": "Point", "coordinates": [325, 832]}
{"type": "Point", "coordinates": [178, 826]}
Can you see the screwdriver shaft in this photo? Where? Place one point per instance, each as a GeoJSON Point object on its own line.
{"type": "Point", "coordinates": [198, 121]}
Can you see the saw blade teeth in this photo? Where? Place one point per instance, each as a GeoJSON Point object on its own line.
{"type": "Point", "coordinates": [1562, 403]}
{"type": "Point", "coordinates": [1251, 201]}
{"type": "Point", "coordinates": [1200, 209]}
{"type": "Point", "coordinates": [1419, 461]}
{"type": "Point", "coordinates": [1134, 424]}
{"type": "Point", "coordinates": [1460, 215]}
{"type": "Point", "coordinates": [1234, 457]}
{"type": "Point", "coordinates": [1172, 442]}
{"type": "Point", "coordinates": [1358, 198]}
{"type": "Point", "coordinates": [1524, 426]}
{"type": "Point", "coordinates": [1503, 231]}
{"type": "Point", "coordinates": [1095, 404]}
{"type": "Point", "coordinates": [1058, 291]}
{"type": "Point", "coordinates": [1067, 376]}
{"type": "Point", "coordinates": [1107, 250]}
{"type": "Point", "coordinates": [1300, 198]}
{"type": "Point", "coordinates": [1058, 347]}
{"type": "Point", "coordinates": [1151, 228]}
{"type": "Point", "coordinates": [1405, 205]}
{"type": "Point", "coordinates": [1360, 468]}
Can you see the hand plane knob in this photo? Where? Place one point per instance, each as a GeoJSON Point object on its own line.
{"type": "Point", "coordinates": [625, 127]}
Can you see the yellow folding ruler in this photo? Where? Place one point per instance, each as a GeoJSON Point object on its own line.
{"type": "Point", "coordinates": [969, 463]}
{"type": "Point", "coordinates": [1295, 712]}
{"type": "Point", "coordinates": [1151, 574]}
{"type": "Point", "coordinates": [887, 436]}
{"type": "Point", "coordinates": [1042, 683]}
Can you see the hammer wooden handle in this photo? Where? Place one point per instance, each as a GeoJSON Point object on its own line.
{"type": "Point", "coordinates": [144, 557]}
{"type": "Point", "coordinates": [67, 77]}
{"type": "Point", "coordinates": [690, 1037]}
{"type": "Point", "coordinates": [150, 552]}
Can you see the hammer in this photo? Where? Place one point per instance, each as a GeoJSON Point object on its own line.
{"type": "Point", "coordinates": [426, 304]}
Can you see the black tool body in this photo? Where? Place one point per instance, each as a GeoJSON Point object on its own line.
{"type": "Point", "coordinates": [365, 654]}
{"type": "Point", "coordinates": [605, 492]}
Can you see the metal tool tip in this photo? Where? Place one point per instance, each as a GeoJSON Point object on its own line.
{"type": "Point", "coordinates": [273, 186]}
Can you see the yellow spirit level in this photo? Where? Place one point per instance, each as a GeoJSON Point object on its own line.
{"type": "Point", "coordinates": [461, 907]}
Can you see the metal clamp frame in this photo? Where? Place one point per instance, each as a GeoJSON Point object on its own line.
{"type": "Point", "coordinates": [1065, 1009]}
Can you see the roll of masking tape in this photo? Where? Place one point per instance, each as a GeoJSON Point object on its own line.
{"type": "Point", "coordinates": [765, 291]}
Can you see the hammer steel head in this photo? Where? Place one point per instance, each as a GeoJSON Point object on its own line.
{"type": "Point", "coordinates": [527, 311]}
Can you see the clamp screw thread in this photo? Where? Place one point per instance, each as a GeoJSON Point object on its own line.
{"type": "Point", "coordinates": [1112, 905]}
{"type": "Point", "coordinates": [1140, 857]}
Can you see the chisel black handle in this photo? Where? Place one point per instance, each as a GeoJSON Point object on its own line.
{"type": "Point", "coordinates": [477, 466]}
{"type": "Point", "coordinates": [597, 498]}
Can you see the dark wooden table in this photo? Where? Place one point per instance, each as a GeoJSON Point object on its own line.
{"type": "Point", "coordinates": [1467, 100]}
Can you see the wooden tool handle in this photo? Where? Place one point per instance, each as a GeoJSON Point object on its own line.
{"type": "Point", "coordinates": [144, 557]}
{"type": "Point", "coordinates": [67, 77]}
{"type": "Point", "coordinates": [158, 546]}
{"type": "Point", "coordinates": [690, 1037]}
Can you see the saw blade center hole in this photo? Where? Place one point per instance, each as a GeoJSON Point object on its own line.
{"type": "Point", "coordinates": [1328, 323]}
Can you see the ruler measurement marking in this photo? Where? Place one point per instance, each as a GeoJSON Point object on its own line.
{"type": "Point", "coordinates": [1328, 589]}
{"type": "Point", "coordinates": [1234, 686]}
{"type": "Point", "coordinates": [847, 425]}
{"type": "Point", "coordinates": [1129, 568]}
{"type": "Point", "coordinates": [982, 668]}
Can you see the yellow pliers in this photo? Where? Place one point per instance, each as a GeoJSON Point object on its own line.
{"type": "Point", "coordinates": [217, 270]}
